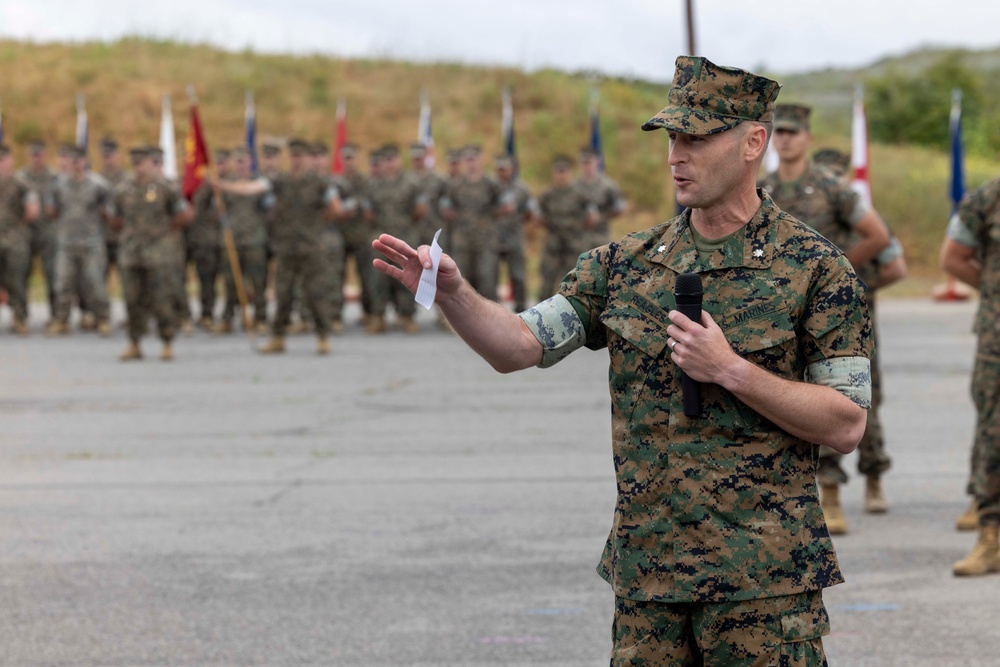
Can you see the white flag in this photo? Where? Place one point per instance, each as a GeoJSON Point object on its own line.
{"type": "Point", "coordinates": [167, 143]}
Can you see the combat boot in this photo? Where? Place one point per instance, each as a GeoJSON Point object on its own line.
{"type": "Point", "coordinates": [322, 346]}
{"type": "Point", "coordinates": [222, 327]}
{"type": "Point", "coordinates": [969, 520]}
{"type": "Point", "coordinates": [985, 557]}
{"type": "Point", "coordinates": [262, 328]}
{"type": "Point", "coordinates": [104, 328]}
{"type": "Point", "coordinates": [57, 328]}
{"type": "Point", "coordinates": [20, 328]}
{"type": "Point", "coordinates": [131, 353]}
{"type": "Point", "coordinates": [88, 322]}
{"type": "Point", "coordinates": [409, 325]}
{"type": "Point", "coordinates": [167, 354]}
{"type": "Point", "coordinates": [274, 346]}
{"type": "Point", "coordinates": [376, 324]}
{"type": "Point", "coordinates": [336, 327]}
{"type": "Point", "coordinates": [205, 322]}
{"type": "Point", "coordinates": [829, 500]}
{"type": "Point", "coordinates": [875, 502]}
{"type": "Point", "coordinates": [187, 327]}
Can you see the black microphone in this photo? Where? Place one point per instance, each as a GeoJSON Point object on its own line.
{"type": "Point", "coordinates": [687, 294]}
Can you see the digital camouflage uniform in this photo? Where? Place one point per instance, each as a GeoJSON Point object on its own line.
{"type": "Point", "coordinates": [148, 252]}
{"type": "Point", "coordinates": [43, 231]}
{"type": "Point", "coordinates": [977, 225]}
{"type": "Point", "coordinates": [246, 215]}
{"type": "Point", "coordinates": [204, 248]}
{"type": "Point", "coordinates": [564, 210]}
{"type": "Point", "coordinates": [721, 508]}
{"type": "Point", "coordinates": [511, 242]}
{"type": "Point", "coordinates": [433, 186]}
{"type": "Point", "coordinates": [606, 198]}
{"type": "Point", "coordinates": [15, 243]}
{"type": "Point", "coordinates": [297, 238]}
{"type": "Point", "coordinates": [394, 202]}
{"type": "Point", "coordinates": [81, 250]}
{"type": "Point", "coordinates": [357, 232]}
{"type": "Point", "coordinates": [114, 177]}
{"type": "Point", "coordinates": [473, 233]}
{"type": "Point", "coordinates": [831, 207]}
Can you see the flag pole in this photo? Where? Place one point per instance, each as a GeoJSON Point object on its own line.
{"type": "Point", "coordinates": [952, 290]}
{"type": "Point", "coordinates": [227, 237]}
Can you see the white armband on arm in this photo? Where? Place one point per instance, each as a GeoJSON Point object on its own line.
{"type": "Point", "coordinates": [851, 376]}
{"type": "Point", "coordinates": [557, 327]}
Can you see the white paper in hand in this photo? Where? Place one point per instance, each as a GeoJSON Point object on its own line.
{"type": "Point", "coordinates": [427, 288]}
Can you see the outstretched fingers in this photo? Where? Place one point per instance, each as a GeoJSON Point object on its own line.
{"type": "Point", "coordinates": [395, 250]}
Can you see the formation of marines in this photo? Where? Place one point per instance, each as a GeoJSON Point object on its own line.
{"type": "Point", "coordinates": [297, 230]}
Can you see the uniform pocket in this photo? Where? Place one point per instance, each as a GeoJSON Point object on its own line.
{"type": "Point", "coordinates": [802, 633]}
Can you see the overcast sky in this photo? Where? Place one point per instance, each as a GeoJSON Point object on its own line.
{"type": "Point", "coordinates": [622, 37]}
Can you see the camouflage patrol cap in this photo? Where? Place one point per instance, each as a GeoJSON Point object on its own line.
{"type": "Point", "coordinates": [318, 149]}
{"type": "Point", "coordinates": [137, 153]}
{"type": "Point", "coordinates": [239, 152]}
{"type": "Point", "coordinates": [220, 154]}
{"type": "Point", "coordinates": [831, 158]}
{"type": "Point", "coordinates": [791, 117]}
{"type": "Point", "coordinates": [154, 152]}
{"type": "Point", "coordinates": [270, 148]}
{"type": "Point", "coordinates": [389, 151]}
{"type": "Point", "coordinates": [75, 152]}
{"type": "Point", "coordinates": [706, 98]}
{"type": "Point", "coordinates": [65, 149]}
{"type": "Point", "coordinates": [453, 155]}
{"type": "Point", "coordinates": [36, 146]}
{"type": "Point", "coordinates": [562, 162]}
{"type": "Point", "coordinates": [587, 152]}
{"type": "Point", "coordinates": [349, 150]}
{"type": "Point", "coordinates": [108, 146]}
{"type": "Point", "coordinates": [418, 150]}
{"type": "Point", "coordinates": [298, 146]}
{"type": "Point", "coordinates": [503, 161]}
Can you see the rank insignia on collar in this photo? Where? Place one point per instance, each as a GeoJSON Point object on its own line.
{"type": "Point", "coordinates": [758, 253]}
{"type": "Point", "coordinates": [661, 248]}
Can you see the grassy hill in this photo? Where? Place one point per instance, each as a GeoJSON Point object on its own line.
{"type": "Point", "coordinates": [124, 81]}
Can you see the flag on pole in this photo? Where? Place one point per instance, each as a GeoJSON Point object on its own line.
{"type": "Point", "coordinates": [507, 126]}
{"type": "Point", "coordinates": [340, 138]}
{"type": "Point", "coordinates": [424, 134]}
{"type": "Point", "coordinates": [81, 122]}
{"type": "Point", "coordinates": [595, 128]}
{"type": "Point", "coordinates": [195, 152]}
{"type": "Point", "coordinates": [859, 148]}
{"type": "Point", "coordinates": [168, 142]}
{"type": "Point", "coordinates": [957, 161]}
{"type": "Point", "coordinates": [250, 120]}
{"type": "Point", "coordinates": [771, 159]}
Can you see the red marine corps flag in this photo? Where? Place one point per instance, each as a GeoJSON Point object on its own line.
{"type": "Point", "coordinates": [340, 138]}
{"type": "Point", "coordinates": [195, 152]}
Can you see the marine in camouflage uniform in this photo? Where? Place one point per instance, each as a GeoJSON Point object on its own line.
{"type": "Point", "coordinates": [355, 226]}
{"type": "Point", "coordinates": [333, 244]}
{"type": "Point", "coordinates": [473, 204]}
{"type": "Point", "coordinates": [151, 212]}
{"type": "Point", "coordinates": [247, 218]}
{"type": "Point", "coordinates": [81, 202]}
{"type": "Point", "coordinates": [114, 174]}
{"type": "Point", "coordinates": [42, 180]}
{"type": "Point", "coordinates": [971, 253]}
{"type": "Point", "coordinates": [303, 202]}
{"type": "Point", "coordinates": [604, 196]}
{"type": "Point", "coordinates": [432, 185]}
{"type": "Point", "coordinates": [564, 211]}
{"type": "Point", "coordinates": [19, 208]}
{"type": "Point", "coordinates": [204, 244]}
{"type": "Point", "coordinates": [718, 551]}
{"type": "Point", "coordinates": [397, 205]}
{"type": "Point", "coordinates": [510, 229]}
{"type": "Point", "coordinates": [830, 206]}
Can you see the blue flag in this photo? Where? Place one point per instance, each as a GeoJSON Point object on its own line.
{"type": "Point", "coordinates": [957, 166]}
{"type": "Point", "coordinates": [250, 118]}
{"type": "Point", "coordinates": [595, 129]}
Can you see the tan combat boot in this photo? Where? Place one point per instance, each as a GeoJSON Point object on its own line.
{"type": "Point", "coordinates": [985, 557]}
{"type": "Point", "coordinates": [376, 324]}
{"type": "Point", "coordinates": [57, 328]}
{"type": "Point", "coordinates": [20, 328]}
{"type": "Point", "coordinates": [274, 346]}
{"type": "Point", "coordinates": [875, 502]}
{"type": "Point", "coordinates": [131, 353]}
{"type": "Point", "coordinates": [187, 327]}
{"type": "Point", "coordinates": [969, 520]}
{"type": "Point", "coordinates": [88, 322]}
{"type": "Point", "coordinates": [104, 328]}
{"type": "Point", "coordinates": [322, 346]}
{"type": "Point", "coordinates": [262, 328]}
{"type": "Point", "coordinates": [409, 325]}
{"type": "Point", "coordinates": [207, 323]}
{"type": "Point", "coordinates": [829, 500]}
{"type": "Point", "coordinates": [336, 327]}
{"type": "Point", "coordinates": [222, 327]}
{"type": "Point", "coordinates": [167, 354]}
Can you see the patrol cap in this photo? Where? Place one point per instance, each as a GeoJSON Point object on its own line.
{"type": "Point", "coordinates": [65, 149]}
{"type": "Point", "coordinates": [418, 150]}
{"type": "Point", "coordinates": [503, 161]}
{"type": "Point", "coordinates": [389, 151]}
{"type": "Point", "coordinates": [36, 146]}
{"type": "Point", "coordinates": [706, 98]}
{"type": "Point", "coordinates": [270, 148]}
{"type": "Point", "coordinates": [137, 153]}
{"type": "Point", "coordinates": [471, 151]}
{"type": "Point", "coordinates": [349, 150]}
{"type": "Point", "coordinates": [221, 154]}
{"type": "Point", "coordinates": [75, 152]}
{"type": "Point", "coordinates": [298, 146]}
{"type": "Point", "coordinates": [375, 155]}
{"type": "Point", "coordinates": [318, 148]}
{"type": "Point", "coordinates": [831, 158]}
{"type": "Point", "coordinates": [791, 117]}
{"type": "Point", "coordinates": [587, 153]}
{"type": "Point", "coordinates": [154, 152]}
{"type": "Point", "coordinates": [108, 146]}
{"type": "Point", "coordinates": [562, 162]}
{"type": "Point", "coordinates": [453, 155]}
{"type": "Point", "coordinates": [239, 152]}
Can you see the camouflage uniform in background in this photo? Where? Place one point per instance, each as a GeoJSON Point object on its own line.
{"type": "Point", "coordinates": [149, 248]}
{"type": "Point", "coordinates": [15, 246]}
{"type": "Point", "coordinates": [721, 508]}
{"type": "Point", "coordinates": [357, 233]}
{"type": "Point", "coordinates": [473, 233]}
{"type": "Point", "coordinates": [114, 177]}
{"type": "Point", "coordinates": [604, 196]}
{"type": "Point", "coordinates": [297, 236]}
{"type": "Point", "coordinates": [203, 239]}
{"type": "Point", "coordinates": [564, 210]}
{"type": "Point", "coordinates": [247, 218]}
{"type": "Point", "coordinates": [832, 208]}
{"type": "Point", "coordinates": [81, 249]}
{"type": "Point", "coordinates": [394, 202]}
{"type": "Point", "coordinates": [977, 225]}
{"type": "Point", "coordinates": [43, 230]}
{"type": "Point", "coordinates": [511, 240]}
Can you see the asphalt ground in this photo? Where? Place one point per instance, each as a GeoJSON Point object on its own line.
{"type": "Point", "coordinates": [399, 503]}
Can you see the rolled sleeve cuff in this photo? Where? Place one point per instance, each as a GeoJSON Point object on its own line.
{"type": "Point", "coordinates": [556, 325]}
{"type": "Point", "coordinates": [958, 231]}
{"type": "Point", "coordinates": [851, 376]}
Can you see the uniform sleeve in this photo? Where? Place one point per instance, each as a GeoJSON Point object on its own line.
{"type": "Point", "coordinates": [848, 204]}
{"type": "Point", "coordinates": [835, 320]}
{"type": "Point", "coordinates": [968, 225]}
